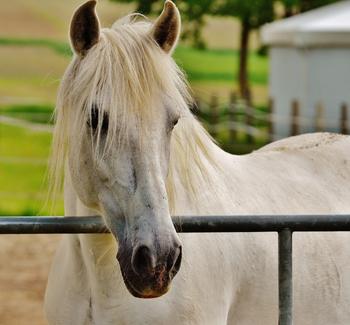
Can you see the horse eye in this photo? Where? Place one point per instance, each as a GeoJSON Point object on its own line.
{"type": "Point", "coordinates": [172, 124]}
{"type": "Point", "coordinates": [93, 121]}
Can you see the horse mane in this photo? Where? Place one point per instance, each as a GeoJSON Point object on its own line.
{"type": "Point", "coordinates": [142, 74]}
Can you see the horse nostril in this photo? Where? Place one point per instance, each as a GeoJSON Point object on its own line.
{"type": "Point", "coordinates": [174, 261]}
{"type": "Point", "coordinates": [143, 260]}
{"type": "Point", "coordinates": [178, 260]}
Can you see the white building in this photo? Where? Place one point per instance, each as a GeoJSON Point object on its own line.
{"type": "Point", "coordinates": [310, 63]}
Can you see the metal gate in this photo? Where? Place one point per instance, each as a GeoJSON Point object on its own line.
{"type": "Point", "coordinates": [284, 225]}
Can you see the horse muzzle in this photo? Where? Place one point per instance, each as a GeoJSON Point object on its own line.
{"type": "Point", "coordinates": [148, 270]}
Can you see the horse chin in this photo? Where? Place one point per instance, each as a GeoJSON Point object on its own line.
{"type": "Point", "coordinates": [145, 294]}
{"type": "Point", "coordinates": [140, 288]}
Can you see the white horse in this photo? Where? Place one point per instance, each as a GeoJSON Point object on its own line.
{"type": "Point", "coordinates": [134, 154]}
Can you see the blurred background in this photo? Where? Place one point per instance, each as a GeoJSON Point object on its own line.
{"type": "Point", "coordinates": [260, 70]}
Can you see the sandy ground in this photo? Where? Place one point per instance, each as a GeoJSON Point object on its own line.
{"type": "Point", "coordinates": [24, 265]}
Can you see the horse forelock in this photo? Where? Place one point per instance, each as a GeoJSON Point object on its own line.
{"type": "Point", "coordinates": [126, 76]}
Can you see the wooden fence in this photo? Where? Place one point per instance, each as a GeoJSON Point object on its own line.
{"type": "Point", "coordinates": [239, 121]}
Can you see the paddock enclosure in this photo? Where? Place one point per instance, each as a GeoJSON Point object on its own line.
{"type": "Point", "coordinates": [285, 225]}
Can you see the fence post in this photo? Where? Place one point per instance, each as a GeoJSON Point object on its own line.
{"type": "Point", "coordinates": [285, 277]}
{"type": "Point", "coordinates": [214, 115]}
{"type": "Point", "coordinates": [344, 119]}
{"type": "Point", "coordinates": [232, 117]}
{"type": "Point", "coordinates": [249, 118]}
{"type": "Point", "coordinates": [319, 123]}
{"type": "Point", "coordinates": [270, 128]}
{"type": "Point", "coordinates": [294, 127]}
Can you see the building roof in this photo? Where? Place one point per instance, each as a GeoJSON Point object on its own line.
{"type": "Point", "coordinates": [328, 26]}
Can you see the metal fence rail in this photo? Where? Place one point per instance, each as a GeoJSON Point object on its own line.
{"type": "Point", "coordinates": [285, 225]}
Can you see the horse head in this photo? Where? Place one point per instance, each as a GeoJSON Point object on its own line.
{"type": "Point", "coordinates": [120, 100]}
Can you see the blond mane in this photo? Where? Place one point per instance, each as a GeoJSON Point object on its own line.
{"type": "Point", "coordinates": [134, 72]}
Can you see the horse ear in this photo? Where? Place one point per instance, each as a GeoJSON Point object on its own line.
{"type": "Point", "coordinates": [166, 29]}
{"type": "Point", "coordinates": [84, 28]}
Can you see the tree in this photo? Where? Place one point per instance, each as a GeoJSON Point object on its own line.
{"type": "Point", "coordinates": [143, 7]}
{"type": "Point", "coordinates": [297, 6]}
{"type": "Point", "coordinates": [305, 5]}
{"type": "Point", "coordinates": [289, 7]}
{"type": "Point", "coordinates": [193, 12]}
{"type": "Point", "coordinates": [252, 14]}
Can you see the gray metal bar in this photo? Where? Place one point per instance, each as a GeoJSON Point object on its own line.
{"type": "Point", "coordinates": [52, 225]}
{"type": "Point", "coordinates": [283, 224]}
{"type": "Point", "coordinates": [285, 277]}
{"type": "Point", "coordinates": [242, 223]}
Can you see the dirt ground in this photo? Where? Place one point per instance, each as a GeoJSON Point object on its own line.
{"type": "Point", "coordinates": [24, 265]}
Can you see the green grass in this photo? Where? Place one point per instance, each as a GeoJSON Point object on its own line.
{"type": "Point", "coordinates": [219, 65]}
{"type": "Point", "coordinates": [19, 142]}
{"type": "Point", "coordinates": [29, 112]}
{"type": "Point", "coordinates": [23, 167]}
{"type": "Point", "coordinates": [22, 187]}
{"type": "Point", "coordinates": [62, 48]}
{"type": "Point", "coordinates": [27, 108]}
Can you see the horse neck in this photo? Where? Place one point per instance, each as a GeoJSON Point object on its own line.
{"type": "Point", "coordinates": [201, 176]}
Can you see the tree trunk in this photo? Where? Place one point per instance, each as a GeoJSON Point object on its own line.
{"type": "Point", "coordinates": [306, 5]}
{"type": "Point", "coordinates": [244, 88]}
{"type": "Point", "coordinates": [288, 11]}
{"type": "Point", "coordinates": [198, 41]}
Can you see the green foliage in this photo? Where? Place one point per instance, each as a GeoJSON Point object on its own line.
{"type": "Point", "coordinates": [143, 7]}
{"type": "Point", "coordinates": [306, 5]}
{"type": "Point", "coordinates": [193, 12]}
{"type": "Point", "coordinates": [253, 12]}
{"type": "Point", "coordinates": [297, 6]}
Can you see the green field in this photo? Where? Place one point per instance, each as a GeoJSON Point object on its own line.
{"type": "Point", "coordinates": [219, 65]}
{"type": "Point", "coordinates": [23, 167]}
{"type": "Point", "coordinates": [30, 112]}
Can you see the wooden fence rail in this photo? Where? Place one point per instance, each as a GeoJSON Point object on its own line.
{"type": "Point", "coordinates": [245, 123]}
